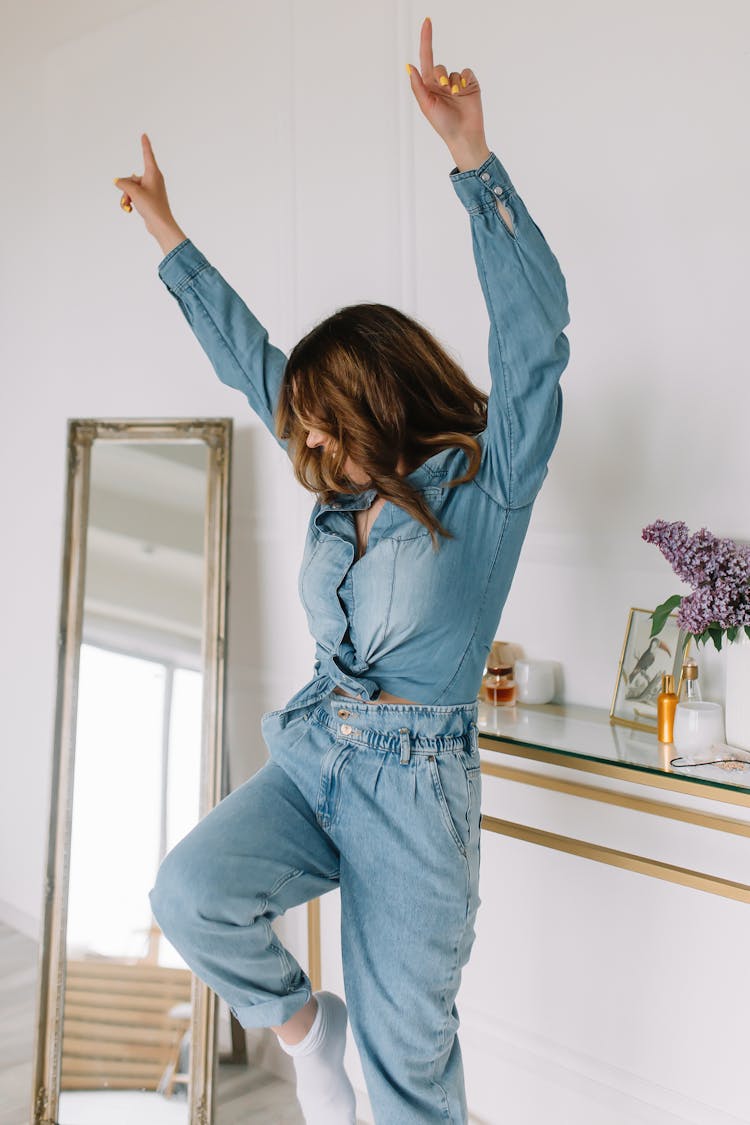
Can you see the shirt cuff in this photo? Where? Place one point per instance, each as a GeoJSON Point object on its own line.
{"type": "Point", "coordinates": [481, 186]}
{"type": "Point", "coordinates": [180, 264]}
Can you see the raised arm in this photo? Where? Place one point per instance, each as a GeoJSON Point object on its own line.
{"type": "Point", "coordinates": [527, 303]}
{"type": "Point", "coordinates": [230, 334]}
{"type": "Point", "coordinates": [523, 288]}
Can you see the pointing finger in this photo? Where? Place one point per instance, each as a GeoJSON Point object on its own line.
{"type": "Point", "coordinates": [425, 48]}
{"type": "Point", "coordinates": [149, 160]}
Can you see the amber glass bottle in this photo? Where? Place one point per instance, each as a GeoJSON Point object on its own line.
{"type": "Point", "coordinates": [498, 684]}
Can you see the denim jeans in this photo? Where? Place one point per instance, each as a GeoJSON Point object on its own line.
{"type": "Point", "coordinates": [381, 800]}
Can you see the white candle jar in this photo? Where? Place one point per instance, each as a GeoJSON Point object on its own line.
{"type": "Point", "coordinates": [535, 680]}
{"type": "Point", "coordinates": [697, 725]}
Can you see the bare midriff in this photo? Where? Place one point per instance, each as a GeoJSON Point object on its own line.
{"type": "Point", "coordinates": [384, 697]}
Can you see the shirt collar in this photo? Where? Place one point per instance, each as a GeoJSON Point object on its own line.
{"type": "Point", "coordinates": [431, 472]}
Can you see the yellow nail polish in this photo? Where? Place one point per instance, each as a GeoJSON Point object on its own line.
{"type": "Point", "coordinates": [454, 89]}
{"type": "Point", "coordinates": [463, 81]}
{"type": "Point", "coordinates": [443, 80]}
{"type": "Point", "coordinates": [115, 179]}
{"type": "Point", "coordinates": [408, 69]}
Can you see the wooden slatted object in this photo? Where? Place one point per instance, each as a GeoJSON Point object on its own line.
{"type": "Point", "coordinates": [117, 1031]}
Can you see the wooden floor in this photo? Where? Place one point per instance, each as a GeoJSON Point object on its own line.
{"type": "Point", "coordinates": [244, 1096]}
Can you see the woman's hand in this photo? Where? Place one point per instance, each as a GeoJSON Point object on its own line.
{"type": "Point", "coordinates": [149, 197]}
{"type": "Point", "coordinates": [452, 104]}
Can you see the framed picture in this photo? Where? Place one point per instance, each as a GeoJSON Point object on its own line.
{"type": "Point", "coordinates": [643, 660]}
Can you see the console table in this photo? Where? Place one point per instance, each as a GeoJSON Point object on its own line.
{"type": "Point", "coordinates": [583, 740]}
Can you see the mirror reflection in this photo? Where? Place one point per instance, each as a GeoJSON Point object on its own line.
{"type": "Point", "coordinates": [137, 774]}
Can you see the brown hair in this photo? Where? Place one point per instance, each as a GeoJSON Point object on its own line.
{"type": "Point", "coordinates": [382, 387]}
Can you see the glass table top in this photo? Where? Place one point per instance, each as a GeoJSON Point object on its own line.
{"type": "Point", "coordinates": [586, 733]}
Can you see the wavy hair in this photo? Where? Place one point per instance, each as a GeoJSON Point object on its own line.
{"type": "Point", "coordinates": [383, 388]}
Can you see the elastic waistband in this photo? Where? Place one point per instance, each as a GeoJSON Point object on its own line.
{"type": "Point", "coordinates": [406, 728]}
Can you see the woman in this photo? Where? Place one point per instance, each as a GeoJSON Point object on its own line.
{"type": "Point", "coordinates": [425, 487]}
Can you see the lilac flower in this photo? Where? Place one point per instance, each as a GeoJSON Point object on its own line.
{"type": "Point", "coordinates": [670, 538]}
{"type": "Point", "coordinates": [717, 569]}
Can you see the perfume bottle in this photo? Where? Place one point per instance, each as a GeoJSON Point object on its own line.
{"type": "Point", "coordinates": [689, 690]}
{"type": "Point", "coordinates": [666, 703]}
{"type": "Point", "coordinates": [498, 684]}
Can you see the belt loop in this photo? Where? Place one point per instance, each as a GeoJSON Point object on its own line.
{"type": "Point", "coordinates": [405, 745]}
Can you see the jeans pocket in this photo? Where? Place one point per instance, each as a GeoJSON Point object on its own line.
{"type": "Point", "coordinates": [472, 765]}
{"type": "Point", "coordinates": [473, 772]}
{"type": "Point", "coordinates": [455, 788]}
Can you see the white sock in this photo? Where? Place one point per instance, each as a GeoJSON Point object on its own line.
{"type": "Point", "coordinates": [323, 1088]}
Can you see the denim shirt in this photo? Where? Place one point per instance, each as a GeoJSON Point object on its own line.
{"type": "Point", "coordinates": [404, 618]}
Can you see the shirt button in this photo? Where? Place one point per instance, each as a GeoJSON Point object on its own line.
{"type": "Point", "coordinates": [345, 728]}
{"type": "Point", "coordinates": [485, 176]}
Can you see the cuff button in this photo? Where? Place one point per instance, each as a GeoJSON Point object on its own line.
{"type": "Point", "coordinates": [485, 176]}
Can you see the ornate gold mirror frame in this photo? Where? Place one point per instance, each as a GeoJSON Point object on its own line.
{"type": "Point", "coordinates": [216, 433]}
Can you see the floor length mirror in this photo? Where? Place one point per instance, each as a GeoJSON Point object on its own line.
{"type": "Point", "coordinates": [125, 1032]}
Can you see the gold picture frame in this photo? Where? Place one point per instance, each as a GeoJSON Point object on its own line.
{"type": "Point", "coordinates": [641, 666]}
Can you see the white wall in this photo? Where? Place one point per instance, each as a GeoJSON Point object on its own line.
{"type": "Point", "coordinates": [296, 159]}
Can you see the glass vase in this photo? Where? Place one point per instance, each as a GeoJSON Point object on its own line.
{"type": "Point", "coordinates": [737, 693]}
